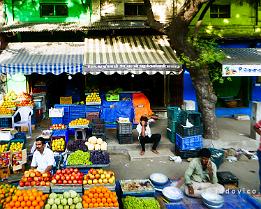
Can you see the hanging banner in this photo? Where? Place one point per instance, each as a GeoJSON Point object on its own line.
{"type": "Point", "coordinates": [241, 70]}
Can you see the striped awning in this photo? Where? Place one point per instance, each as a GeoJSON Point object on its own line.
{"type": "Point", "coordinates": [130, 54]}
{"type": "Point", "coordinates": [42, 58]}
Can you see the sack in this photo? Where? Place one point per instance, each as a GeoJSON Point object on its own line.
{"type": "Point", "coordinates": [226, 177]}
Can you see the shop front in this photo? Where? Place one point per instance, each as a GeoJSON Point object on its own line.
{"type": "Point", "coordinates": [130, 64]}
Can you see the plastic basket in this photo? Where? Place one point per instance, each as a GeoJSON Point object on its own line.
{"type": "Point", "coordinates": [185, 154]}
{"type": "Point", "coordinates": [5, 122]}
{"type": "Point", "coordinates": [173, 113]}
{"type": "Point", "coordinates": [172, 125]}
{"type": "Point", "coordinates": [125, 138]}
{"type": "Point", "coordinates": [124, 128]}
{"type": "Point", "coordinates": [189, 143]}
{"type": "Point", "coordinates": [66, 100]}
{"type": "Point", "coordinates": [189, 131]}
{"type": "Point", "coordinates": [171, 135]}
{"type": "Point", "coordinates": [112, 97]}
{"type": "Point", "coordinates": [192, 116]}
{"type": "Point", "coordinates": [57, 120]}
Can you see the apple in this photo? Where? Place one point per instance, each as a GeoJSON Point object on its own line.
{"type": "Point", "coordinates": [92, 177]}
{"type": "Point", "coordinates": [89, 181]}
{"type": "Point", "coordinates": [76, 170]}
{"type": "Point", "coordinates": [42, 183]}
{"type": "Point", "coordinates": [26, 173]}
{"type": "Point", "coordinates": [63, 178]}
{"type": "Point", "coordinates": [100, 181]}
{"type": "Point", "coordinates": [97, 176]}
{"type": "Point", "coordinates": [70, 182]}
{"type": "Point", "coordinates": [105, 181]}
{"type": "Point", "coordinates": [32, 174]}
{"type": "Point", "coordinates": [33, 183]}
{"type": "Point", "coordinates": [75, 182]}
{"type": "Point", "coordinates": [57, 177]}
{"type": "Point", "coordinates": [27, 183]}
{"type": "Point", "coordinates": [67, 178]}
{"type": "Point", "coordinates": [21, 184]}
{"type": "Point", "coordinates": [111, 180]}
{"type": "Point", "coordinates": [60, 181]}
{"type": "Point", "coordinates": [108, 176]}
{"type": "Point", "coordinates": [37, 183]}
{"type": "Point", "coordinates": [63, 171]}
{"type": "Point", "coordinates": [35, 178]}
{"type": "Point", "coordinates": [24, 179]}
{"type": "Point", "coordinates": [84, 182]}
{"type": "Point", "coordinates": [38, 173]}
{"type": "Point", "coordinates": [72, 178]}
{"type": "Point", "coordinates": [71, 170]}
{"type": "Point", "coordinates": [77, 178]}
{"type": "Point", "coordinates": [44, 175]}
{"type": "Point", "coordinates": [30, 179]}
{"type": "Point", "coordinates": [80, 182]}
{"type": "Point", "coordinates": [58, 171]}
{"type": "Point", "coordinates": [64, 181]}
{"type": "Point", "coordinates": [94, 172]}
{"type": "Point", "coordinates": [54, 181]}
{"type": "Point", "coordinates": [47, 183]}
{"type": "Point", "coordinates": [103, 176]}
{"type": "Point", "coordinates": [95, 181]}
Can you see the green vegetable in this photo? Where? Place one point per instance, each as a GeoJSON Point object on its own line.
{"type": "Point", "coordinates": [140, 203]}
{"type": "Point", "coordinates": [79, 158]}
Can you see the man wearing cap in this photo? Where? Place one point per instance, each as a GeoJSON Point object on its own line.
{"type": "Point", "coordinates": [201, 175]}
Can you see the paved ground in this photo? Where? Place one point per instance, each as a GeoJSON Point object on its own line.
{"type": "Point", "coordinates": [128, 164]}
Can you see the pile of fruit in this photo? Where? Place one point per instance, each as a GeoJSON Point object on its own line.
{"type": "Point", "coordinates": [99, 197]}
{"type": "Point", "coordinates": [67, 176]}
{"type": "Point", "coordinates": [16, 146]}
{"type": "Point", "coordinates": [79, 158]}
{"type": "Point", "coordinates": [93, 97]}
{"type": "Point", "coordinates": [6, 111]}
{"type": "Point", "coordinates": [32, 199]}
{"type": "Point", "coordinates": [17, 158]}
{"type": "Point", "coordinates": [10, 96]}
{"type": "Point", "coordinates": [8, 104]}
{"type": "Point", "coordinates": [25, 103]}
{"type": "Point", "coordinates": [33, 177]}
{"type": "Point", "coordinates": [5, 159]}
{"type": "Point", "coordinates": [58, 126]}
{"type": "Point", "coordinates": [75, 145]}
{"type": "Point", "coordinates": [6, 192]}
{"type": "Point", "coordinates": [79, 122]}
{"type": "Point", "coordinates": [66, 200]}
{"type": "Point", "coordinates": [100, 157]}
{"type": "Point", "coordinates": [58, 144]}
{"type": "Point", "coordinates": [3, 147]}
{"type": "Point", "coordinates": [99, 176]}
{"type": "Point", "coordinates": [94, 143]}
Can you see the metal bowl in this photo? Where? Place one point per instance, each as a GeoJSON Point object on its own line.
{"type": "Point", "coordinates": [173, 194]}
{"type": "Point", "coordinates": [212, 199]}
{"type": "Point", "coordinates": [158, 178]}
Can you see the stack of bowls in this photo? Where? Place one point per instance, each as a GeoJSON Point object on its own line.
{"type": "Point", "coordinates": [173, 194]}
{"type": "Point", "coordinates": [212, 200]}
{"type": "Point", "coordinates": [159, 179]}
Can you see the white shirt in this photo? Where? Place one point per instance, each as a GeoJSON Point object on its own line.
{"type": "Point", "coordinates": [42, 161]}
{"type": "Point", "coordinates": [147, 130]}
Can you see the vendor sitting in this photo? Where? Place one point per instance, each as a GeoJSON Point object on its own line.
{"type": "Point", "coordinates": [43, 157]}
{"type": "Point", "coordinates": [201, 176]}
{"type": "Point", "coordinates": [145, 135]}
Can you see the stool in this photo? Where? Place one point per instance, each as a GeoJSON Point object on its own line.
{"type": "Point", "coordinates": [80, 133]}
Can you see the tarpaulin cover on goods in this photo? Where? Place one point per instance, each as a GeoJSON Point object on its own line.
{"type": "Point", "coordinates": [111, 111]}
{"type": "Point", "coordinates": [141, 106]}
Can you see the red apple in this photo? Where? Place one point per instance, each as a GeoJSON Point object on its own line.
{"type": "Point", "coordinates": [37, 183]}
{"type": "Point", "coordinates": [75, 181]}
{"type": "Point", "coordinates": [67, 178]}
{"type": "Point", "coordinates": [79, 181]}
{"type": "Point", "coordinates": [24, 179]}
{"type": "Point", "coordinates": [35, 178]}
{"type": "Point", "coordinates": [60, 181]}
{"type": "Point", "coordinates": [21, 184]}
{"type": "Point", "coordinates": [42, 183]}
{"type": "Point", "coordinates": [57, 177]}
{"type": "Point", "coordinates": [27, 183]}
{"type": "Point", "coordinates": [62, 177]}
{"type": "Point", "coordinates": [71, 170]}
{"type": "Point", "coordinates": [70, 182]}
{"type": "Point", "coordinates": [54, 181]}
{"type": "Point", "coordinates": [72, 178]}
{"type": "Point", "coordinates": [76, 170]}
{"type": "Point", "coordinates": [58, 171]}
{"type": "Point", "coordinates": [64, 181]}
{"type": "Point", "coordinates": [33, 183]}
{"type": "Point", "coordinates": [63, 171]}
{"type": "Point", "coordinates": [30, 179]}
{"type": "Point", "coordinates": [32, 174]}
{"type": "Point", "coordinates": [47, 183]}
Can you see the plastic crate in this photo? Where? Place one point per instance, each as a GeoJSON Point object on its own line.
{"type": "Point", "coordinates": [192, 116]}
{"type": "Point", "coordinates": [124, 128]}
{"type": "Point", "coordinates": [172, 125]}
{"type": "Point", "coordinates": [98, 128]}
{"type": "Point", "coordinates": [173, 113]}
{"type": "Point", "coordinates": [189, 143]}
{"type": "Point", "coordinates": [185, 154]}
{"type": "Point", "coordinates": [5, 122]}
{"type": "Point", "coordinates": [125, 138]}
{"type": "Point", "coordinates": [66, 108]}
{"type": "Point", "coordinates": [112, 97]}
{"type": "Point", "coordinates": [57, 120]}
{"type": "Point", "coordinates": [189, 131]}
{"type": "Point", "coordinates": [61, 133]}
{"type": "Point", "coordinates": [171, 135]}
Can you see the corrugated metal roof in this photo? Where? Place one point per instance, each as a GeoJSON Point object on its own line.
{"type": "Point", "coordinates": [45, 27]}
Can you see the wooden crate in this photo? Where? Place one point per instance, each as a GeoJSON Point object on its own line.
{"type": "Point", "coordinates": [4, 173]}
{"type": "Point", "coordinates": [66, 100]}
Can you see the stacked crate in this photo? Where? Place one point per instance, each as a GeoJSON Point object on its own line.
{"type": "Point", "coordinates": [124, 133]}
{"type": "Point", "coordinates": [98, 128]}
{"type": "Point", "coordinates": [188, 139]}
{"type": "Point", "coordinates": [173, 114]}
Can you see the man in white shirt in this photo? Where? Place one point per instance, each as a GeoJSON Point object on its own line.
{"type": "Point", "coordinates": [145, 135]}
{"type": "Point", "coordinates": [43, 157]}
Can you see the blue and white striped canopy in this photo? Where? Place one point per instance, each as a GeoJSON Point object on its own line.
{"type": "Point", "coordinates": [42, 58]}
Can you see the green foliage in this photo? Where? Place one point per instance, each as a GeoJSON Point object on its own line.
{"type": "Point", "coordinates": [208, 55]}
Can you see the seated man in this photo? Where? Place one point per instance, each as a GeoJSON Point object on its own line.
{"type": "Point", "coordinates": [43, 157]}
{"type": "Point", "coordinates": [145, 135]}
{"type": "Point", "coordinates": [201, 175]}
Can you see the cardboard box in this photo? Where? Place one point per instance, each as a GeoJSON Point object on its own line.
{"type": "Point", "coordinates": [25, 128]}
{"type": "Point", "coordinates": [20, 158]}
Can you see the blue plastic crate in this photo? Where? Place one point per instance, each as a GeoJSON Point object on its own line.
{"type": "Point", "coordinates": [66, 108]}
{"type": "Point", "coordinates": [63, 133]}
{"type": "Point", "coordinates": [77, 108]}
{"type": "Point", "coordinates": [5, 122]}
{"type": "Point", "coordinates": [93, 108]}
{"type": "Point", "coordinates": [57, 120]}
{"type": "Point", "coordinates": [189, 143]}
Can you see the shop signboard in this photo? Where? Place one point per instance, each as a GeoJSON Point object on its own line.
{"type": "Point", "coordinates": [241, 70]}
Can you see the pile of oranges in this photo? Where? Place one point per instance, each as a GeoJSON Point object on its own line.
{"type": "Point", "coordinates": [99, 197]}
{"type": "Point", "coordinates": [27, 199]}
{"type": "Point", "coordinates": [6, 192]}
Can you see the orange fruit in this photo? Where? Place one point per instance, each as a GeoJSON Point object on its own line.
{"type": "Point", "coordinates": [11, 204]}
{"type": "Point", "coordinates": [110, 204]}
{"type": "Point", "coordinates": [108, 200]}
{"type": "Point", "coordinates": [23, 203]}
{"type": "Point", "coordinates": [26, 198]}
{"type": "Point", "coordinates": [93, 200]}
{"type": "Point", "coordinates": [95, 205]}
{"type": "Point", "coordinates": [20, 198]}
{"type": "Point", "coordinates": [18, 193]}
{"type": "Point", "coordinates": [113, 199]}
{"type": "Point", "coordinates": [88, 200]}
{"type": "Point", "coordinates": [31, 207]}
{"type": "Point", "coordinates": [34, 203]}
{"type": "Point", "coordinates": [106, 204]}
{"type": "Point", "coordinates": [106, 195]}
{"type": "Point", "coordinates": [103, 200]}
{"type": "Point", "coordinates": [28, 203]}
{"type": "Point", "coordinates": [100, 195]}
{"type": "Point", "coordinates": [26, 207]}
{"type": "Point", "coordinates": [38, 198]}
{"type": "Point", "coordinates": [95, 195]}
{"type": "Point", "coordinates": [101, 204]}
{"type": "Point", "coordinates": [91, 205]}
{"type": "Point", "coordinates": [90, 195]}
{"type": "Point", "coordinates": [17, 204]}
{"type": "Point", "coordinates": [31, 198]}
{"type": "Point", "coordinates": [85, 205]}
{"type": "Point", "coordinates": [98, 190]}
{"type": "Point", "coordinates": [37, 207]}
{"type": "Point", "coordinates": [41, 203]}
{"type": "Point", "coordinates": [14, 198]}
{"type": "Point", "coordinates": [116, 204]}
{"type": "Point", "coordinates": [98, 200]}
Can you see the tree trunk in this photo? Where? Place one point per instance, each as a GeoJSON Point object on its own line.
{"type": "Point", "coordinates": [206, 99]}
